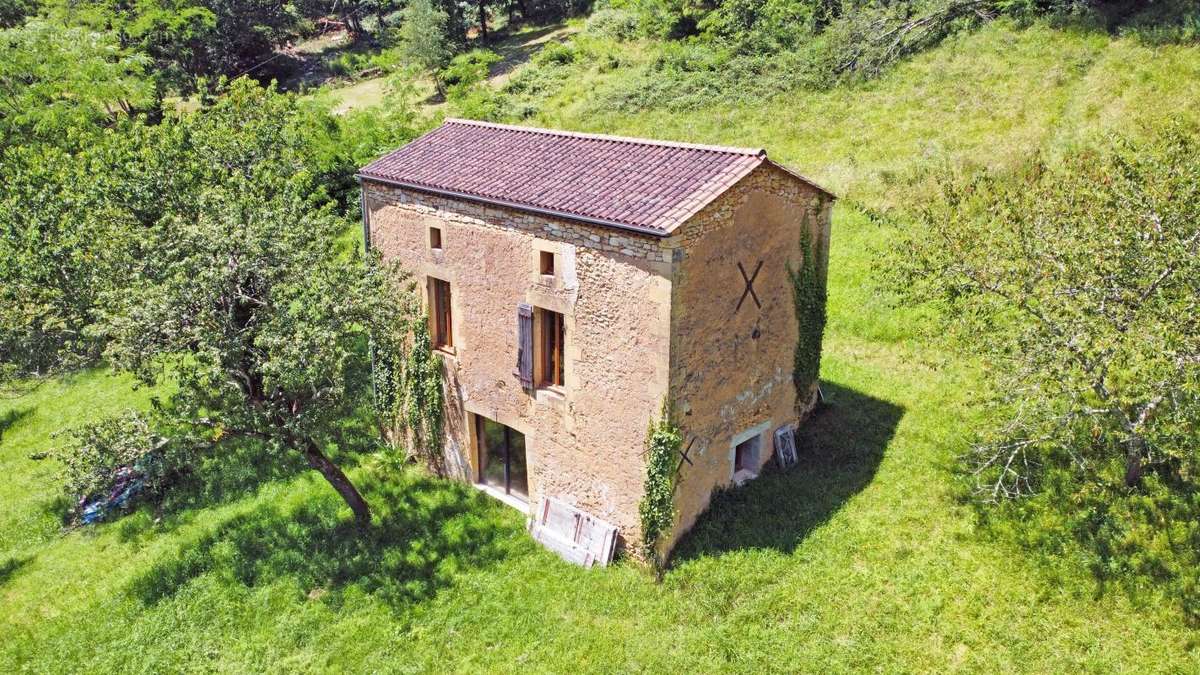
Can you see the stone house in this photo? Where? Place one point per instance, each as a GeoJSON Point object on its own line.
{"type": "Point", "coordinates": [576, 283]}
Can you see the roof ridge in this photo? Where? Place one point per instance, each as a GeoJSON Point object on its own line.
{"type": "Point", "coordinates": [732, 150]}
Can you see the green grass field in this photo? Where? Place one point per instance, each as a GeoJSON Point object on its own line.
{"type": "Point", "coordinates": [860, 559]}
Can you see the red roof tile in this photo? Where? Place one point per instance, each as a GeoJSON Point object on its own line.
{"type": "Point", "coordinates": [646, 185]}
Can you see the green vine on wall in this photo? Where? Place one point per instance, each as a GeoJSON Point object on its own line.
{"type": "Point", "coordinates": [809, 295]}
{"type": "Point", "coordinates": [657, 508]}
{"type": "Point", "coordinates": [408, 394]}
{"type": "Point", "coordinates": [422, 406]}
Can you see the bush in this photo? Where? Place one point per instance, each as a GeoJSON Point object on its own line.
{"type": "Point", "coordinates": [466, 70]}
{"type": "Point", "coordinates": [96, 455]}
{"type": "Point", "coordinates": [613, 24]}
{"type": "Point", "coordinates": [555, 53]}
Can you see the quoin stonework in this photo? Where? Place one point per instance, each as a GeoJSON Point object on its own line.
{"type": "Point", "coordinates": [576, 283]}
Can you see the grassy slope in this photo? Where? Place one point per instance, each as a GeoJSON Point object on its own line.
{"type": "Point", "coordinates": [864, 559]}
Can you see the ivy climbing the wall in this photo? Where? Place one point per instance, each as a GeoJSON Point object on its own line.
{"type": "Point", "coordinates": [408, 391]}
{"type": "Point", "coordinates": [657, 509]}
{"type": "Point", "coordinates": [422, 404]}
{"type": "Point", "coordinates": [808, 293]}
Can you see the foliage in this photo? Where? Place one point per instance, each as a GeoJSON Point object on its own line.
{"type": "Point", "coordinates": [809, 296]}
{"type": "Point", "coordinates": [62, 243]}
{"type": "Point", "coordinates": [467, 70]}
{"type": "Point", "coordinates": [613, 24]}
{"type": "Point", "coordinates": [657, 508]}
{"type": "Point", "coordinates": [95, 452]}
{"type": "Point", "coordinates": [1079, 287]}
{"type": "Point", "coordinates": [14, 12]}
{"type": "Point", "coordinates": [421, 401]}
{"type": "Point", "coordinates": [59, 84]}
{"type": "Point", "coordinates": [259, 318]}
{"type": "Point", "coordinates": [555, 53]}
{"type": "Point", "coordinates": [423, 36]}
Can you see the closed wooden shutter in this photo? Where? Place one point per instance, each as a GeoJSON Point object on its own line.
{"type": "Point", "coordinates": [575, 535]}
{"type": "Point", "coordinates": [525, 345]}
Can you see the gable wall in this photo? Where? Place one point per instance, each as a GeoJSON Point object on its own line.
{"type": "Point", "coordinates": [584, 446]}
{"type": "Point", "coordinates": [731, 369]}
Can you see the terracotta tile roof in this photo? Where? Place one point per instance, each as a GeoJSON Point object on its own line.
{"type": "Point", "coordinates": [633, 183]}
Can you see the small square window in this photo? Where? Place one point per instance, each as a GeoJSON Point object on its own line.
{"type": "Point", "coordinates": [435, 238]}
{"type": "Point", "coordinates": [547, 263]}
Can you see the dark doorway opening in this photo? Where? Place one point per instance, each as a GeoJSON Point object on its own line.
{"type": "Point", "coordinates": [502, 458]}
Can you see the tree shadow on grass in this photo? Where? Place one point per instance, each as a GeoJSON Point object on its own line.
{"type": "Point", "coordinates": [236, 470]}
{"type": "Point", "coordinates": [840, 448]}
{"type": "Point", "coordinates": [424, 532]}
{"type": "Point", "coordinates": [9, 568]}
{"type": "Point", "coordinates": [10, 418]}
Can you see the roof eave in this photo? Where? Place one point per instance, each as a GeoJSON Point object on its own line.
{"type": "Point", "coordinates": [805, 179]}
{"type": "Point", "coordinates": [518, 206]}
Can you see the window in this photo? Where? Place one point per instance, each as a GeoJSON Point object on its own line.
{"type": "Point", "coordinates": [551, 335]}
{"type": "Point", "coordinates": [435, 238]}
{"type": "Point", "coordinates": [745, 459]}
{"type": "Point", "coordinates": [547, 263]}
{"type": "Point", "coordinates": [439, 314]}
{"type": "Point", "coordinates": [502, 458]}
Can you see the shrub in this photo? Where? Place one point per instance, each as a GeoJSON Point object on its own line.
{"type": "Point", "coordinates": [613, 24]}
{"type": "Point", "coordinates": [555, 53]}
{"type": "Point", "coordinates": [96, 455]}
{"type": "Point", "coordinates": [468, 69]}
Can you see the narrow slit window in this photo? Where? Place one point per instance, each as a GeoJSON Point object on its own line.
{"type": "Point", "coordinates": [547, 263]}
{"type": "Point", "coordinates": [439, 314]}
{"type": "Point", "coordinates": [551, 338]}
{"type": "Point", "coordinates": [435, 238]}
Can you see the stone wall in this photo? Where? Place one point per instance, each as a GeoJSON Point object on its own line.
{"type": "Point", "coordinates": [584, 444]}
{"type": "Point", "coordinates": [731, 368]}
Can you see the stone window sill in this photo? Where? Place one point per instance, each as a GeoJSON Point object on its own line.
{"type": "Point", "coordinates": [507, 499]}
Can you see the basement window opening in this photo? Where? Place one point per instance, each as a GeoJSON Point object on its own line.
{"type": "Point", "coordinates": [746, 459]}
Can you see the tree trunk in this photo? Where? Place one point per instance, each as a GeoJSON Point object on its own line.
{"type": "Point", "coordinates": [483, 21]}
{"type": "Point", "coordinates": [1133, 463]}
{"type": "Point", "coordinates": [339, 481]}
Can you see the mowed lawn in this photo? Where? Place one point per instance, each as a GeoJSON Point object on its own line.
{"type": "Point", "coordinates": [862, 558]}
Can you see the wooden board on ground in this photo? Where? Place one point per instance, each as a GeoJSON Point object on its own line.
{"type": "Point", "coordinates": [575, 535]}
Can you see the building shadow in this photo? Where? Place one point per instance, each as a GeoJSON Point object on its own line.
{"type": "Point", "coordinates": [424, 531]}
{"type": "Point", "coordinates": [840, 448]}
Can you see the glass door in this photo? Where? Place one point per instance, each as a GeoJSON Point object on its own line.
{"type": "Point", "coordinates": [502, 458]}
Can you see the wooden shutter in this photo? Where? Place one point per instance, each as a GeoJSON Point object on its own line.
{"type": "Point", "coordinates": [575, 535]}
{"type": "Point", "coordinates": [785, 446]}
{"type": "Point", "coordinates": [525, 345]}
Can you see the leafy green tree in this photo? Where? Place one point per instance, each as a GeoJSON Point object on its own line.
{"type": "Point", "coordinates": [59, 83]}
{"type": "Point", "coordinates": [63, 241]}
{"type": "Point", "coordinates": [1078, 285]}
{"type": "Point", "coordinates": [424, 39]}
{"type": "Point", "coordinates": [262, 324]}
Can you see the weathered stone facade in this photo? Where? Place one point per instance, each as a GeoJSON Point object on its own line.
{"type": "Point", "coordinates": [648, 320]}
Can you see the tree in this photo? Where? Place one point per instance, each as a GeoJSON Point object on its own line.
{"type": "Point", "coordinates": [247, 303]}
{"type": "Point", "coordinates": [1078, 285]}
{"type": "Point", "coordinates": [60, 83]}
{"type": "Point", "coordinates": [424, 39]}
